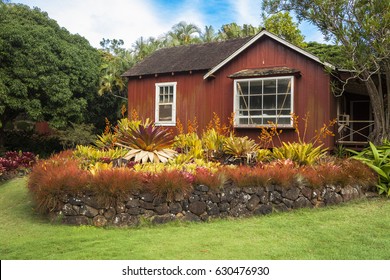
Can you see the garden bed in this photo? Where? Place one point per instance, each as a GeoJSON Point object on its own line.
{"type": "Point", "coordinates": [142, 173]}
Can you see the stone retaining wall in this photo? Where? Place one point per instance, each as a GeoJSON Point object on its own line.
{"type": "Point", "coordinates": [201, 205]}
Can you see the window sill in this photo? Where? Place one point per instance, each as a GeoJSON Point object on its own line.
{"type": "Point", "coordinates": [164, 124]}
{"type": "Point", "coordinates": [261, 126]}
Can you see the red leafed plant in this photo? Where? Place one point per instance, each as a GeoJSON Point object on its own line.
{"type": "Point", "coordinates": [282, 172]}
{"type": "Point", "coordinates": [246, 176]}
{"type": "Point", "coordinates": [168, 184]}
{"type": "Point", "coordinates": [116, 183]}
{"type": "Point", "coordinates": [52, 178]}
{"type": "Point", "coordinates": [214, 180]}
{"type": "Point", "coordinates": [13, 161]}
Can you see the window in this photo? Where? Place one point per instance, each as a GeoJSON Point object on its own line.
{"type": "Point", "coordinates": [257, 102]}
{"type": "Point", "coordinates": [165, 111]}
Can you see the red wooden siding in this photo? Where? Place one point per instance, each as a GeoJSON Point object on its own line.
{"type": "Point", "coordinates": [200, 98]}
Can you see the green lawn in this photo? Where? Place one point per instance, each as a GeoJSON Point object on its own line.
{"type": "Point", "coordinates": [357, 230]}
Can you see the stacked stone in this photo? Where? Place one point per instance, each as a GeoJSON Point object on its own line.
{"type": "Point", "coordinates": [201, 205]}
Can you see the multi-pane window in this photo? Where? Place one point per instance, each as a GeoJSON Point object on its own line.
{"type": "Point", "coordinates": [259, 102]}
{"type": "Point", "coordinates": [165, 111]}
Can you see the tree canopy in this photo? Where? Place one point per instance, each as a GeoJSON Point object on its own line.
{"type": "Point", "coordinates": [45, 72]}
{"type": "Point", "coordinates": [283, 26]}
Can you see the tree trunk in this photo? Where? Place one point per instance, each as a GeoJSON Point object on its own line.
{"type": "Point", "coordinates": [381, 130]}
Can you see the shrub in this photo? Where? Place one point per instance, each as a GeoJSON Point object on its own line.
{"type": "Point", "coordinates": [246, 176]}
{"type": "Point", "coordinates": [358, 173]}
{"type": "Point", "coordinates": [281, 172]}
{"type": "Point", "coordinates": [51, 178]}
{"type": "Point", "coordinates": [214, 180]}
{"type": "Point", "coordinates": [76, 134]}
{"type": "Point", "coordinates": [168, 184]}
{"type": "Point", "coordinates": [111, 184]}
{"type": "Point", "coordinates": [340, 172]}
{"type": "Point", "coordinates": [12, 162]}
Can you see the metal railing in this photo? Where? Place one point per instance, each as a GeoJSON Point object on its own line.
{"type": "Point", "coordinates": [353, 132]}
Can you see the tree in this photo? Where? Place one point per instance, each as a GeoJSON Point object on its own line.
{"type": "Point", "coordinates": [143, 48]}
{"type": "Point", "coordinates": [230, 31]}
{"type": "Point", "coordinates": [362, 29]}
{"type": "Point", "coordinates": [328, 53]}
{"type": "Point", "coordinates": [45, 72]}
{"type": "Point", "coordinates": [115, 61]}
{"type": "Point", "coordinates": [183, 33]}
{"type": "Point", "coordinates": [208, 35]}
{"type": "Point", "coordinates": [282, 25]}
{"type": "Point", "coordinates": [233, 30]}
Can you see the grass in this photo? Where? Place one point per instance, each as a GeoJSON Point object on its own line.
{"type": "Point", "coordinates": [357, 230]}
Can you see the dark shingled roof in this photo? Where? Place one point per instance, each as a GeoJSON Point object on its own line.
{"type": "Point", "coordinates": [186, 58]}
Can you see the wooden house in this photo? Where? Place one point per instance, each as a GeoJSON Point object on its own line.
{"type": "Point", "coordinates": [261, 79]}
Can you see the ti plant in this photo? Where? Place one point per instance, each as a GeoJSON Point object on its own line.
{"type": "Point", "coordinates": [378, 159]}
{"type": "Point", "coordinates": [240, 148]}
{"type": "Point", "coordinates": [146, 143]}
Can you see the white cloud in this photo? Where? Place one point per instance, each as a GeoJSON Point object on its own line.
{"type": "Point", "coordinates": [131, 19]}
{"type": "Point", "coordinates": [119, 19]}
{"type": "Point", "coordinates": [246, 12]}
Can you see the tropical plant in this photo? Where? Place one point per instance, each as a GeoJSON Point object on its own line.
{"type": "Point", "coordinates": [242, 149]}
{"type": "Point", "coordinates": [99, 166]}
{"type": "Point", "coordinates": [189, 144]}
{"type": "Point", "coordinates": [105, 141]}
{"type": "Point", "coordinates": [377, 158]}
{"type": "Point", "coordinates": [89, 155]}
{"type": "Point", "coordinates": [213, 143]}
{"type": "Point", "coordinates": [146, 143]}
{"type": "Point", "coordinates": [263, 155]}
{"type": "Point", "coordinates": [300, 153]}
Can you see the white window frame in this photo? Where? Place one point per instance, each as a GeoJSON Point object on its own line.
{"type": "Point", "coordinates": [157, 103]}
{"type": "Point", "coordinates": [236, 104]}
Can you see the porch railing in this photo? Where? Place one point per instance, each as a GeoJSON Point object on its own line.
{"type": "Point", "coordinates": [353, 132]}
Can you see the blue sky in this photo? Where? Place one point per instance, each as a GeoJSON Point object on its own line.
{"type": "Point", "coordinates": [131, 19]}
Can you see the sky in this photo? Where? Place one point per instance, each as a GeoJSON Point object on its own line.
{"type": "Point", "coordinates": [131, 19]}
